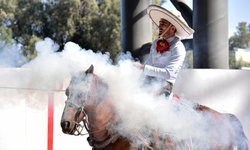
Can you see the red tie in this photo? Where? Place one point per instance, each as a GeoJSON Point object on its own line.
{"type": "Point", "coordinates": [162, 46]}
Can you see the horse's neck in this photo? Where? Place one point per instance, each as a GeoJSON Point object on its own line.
{"type": "Point", "coordinates": [101, 111]}
{"type": "Point", "coordinates": [104, 112]}
{"type": "Point", "coordinates": [104, 109]}
{"type": "Point", "coordinates": [100, 119]}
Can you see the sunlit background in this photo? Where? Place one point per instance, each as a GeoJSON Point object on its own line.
{"type": "Point", "coordinates": [34, 62]}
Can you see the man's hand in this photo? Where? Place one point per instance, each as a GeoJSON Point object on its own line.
{"type": "Point", "coordinates": [138, 65]}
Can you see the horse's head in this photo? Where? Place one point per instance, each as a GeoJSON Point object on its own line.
{"type": "Point", "coordinates": [83, 93]}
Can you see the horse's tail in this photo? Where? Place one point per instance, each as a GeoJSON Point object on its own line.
{"type": "Point", "coordinates": [241, 140]}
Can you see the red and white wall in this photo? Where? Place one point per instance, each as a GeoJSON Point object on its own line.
{"type": "Point", "coordinates": [30, 116]}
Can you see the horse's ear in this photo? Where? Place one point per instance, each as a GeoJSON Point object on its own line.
{"type": "Point", "coordinates": [90, 70]}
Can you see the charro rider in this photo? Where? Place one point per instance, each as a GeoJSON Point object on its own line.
{"type": "Point", "coordinates": [167, 53]}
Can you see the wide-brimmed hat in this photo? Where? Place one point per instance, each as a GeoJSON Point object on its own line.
{"type": "Point", "coordinates": [156, 13]}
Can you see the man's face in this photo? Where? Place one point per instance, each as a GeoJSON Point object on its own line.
{"type": "Point", "coordinates": [163, 25]}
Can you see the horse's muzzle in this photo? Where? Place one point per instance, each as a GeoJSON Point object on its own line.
{"type": "Point", "coordinates": [65, 126]}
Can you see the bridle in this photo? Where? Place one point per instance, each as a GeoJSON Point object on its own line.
{"type": "Point", "coordinates": [81, 123]}
{"type": "Point", "coordinates": [80, 109]}
{"type": "Point", "coordinates": [78, 126]}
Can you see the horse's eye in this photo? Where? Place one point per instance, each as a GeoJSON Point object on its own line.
{"type": "Point", "coordinates": [67, 92]}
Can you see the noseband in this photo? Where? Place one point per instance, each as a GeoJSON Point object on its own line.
{"type": "Point", "coordinates": [78, 126]}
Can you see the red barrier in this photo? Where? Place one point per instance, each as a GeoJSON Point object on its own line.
{"type": "Point", "coordinates": [50, 120]}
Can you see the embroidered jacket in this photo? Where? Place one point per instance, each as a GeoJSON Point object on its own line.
{"type": "Point", "coordinates": [165, 66]}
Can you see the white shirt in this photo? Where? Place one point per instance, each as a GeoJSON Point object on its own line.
{"type": "Point", "coordinates": [166, 65]}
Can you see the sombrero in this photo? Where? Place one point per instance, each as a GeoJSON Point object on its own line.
{"type": "Point", "coordinates": [156, 13]}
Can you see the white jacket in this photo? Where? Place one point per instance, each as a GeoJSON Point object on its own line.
{"type": "Point", "coordinates": [165, 66]}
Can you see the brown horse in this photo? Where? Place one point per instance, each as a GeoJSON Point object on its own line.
{"type": "Point", "coordinates": [88, 102]}
{"type": "Point", "coordinates": [88, 105]}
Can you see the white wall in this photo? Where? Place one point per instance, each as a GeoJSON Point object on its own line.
{"type": "Point", "coordinates": [24, 114]}
{"type": "Point", "coordinates": [24, 122]}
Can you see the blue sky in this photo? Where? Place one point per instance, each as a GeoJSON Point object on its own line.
{"type": "Point", "coordinates": [238, 11]}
